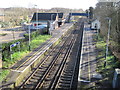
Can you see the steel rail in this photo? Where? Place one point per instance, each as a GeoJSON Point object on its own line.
{"type": "Point", "coordinates": [41, 83]}
{"type": "Point", "coordinates": [44, 60]}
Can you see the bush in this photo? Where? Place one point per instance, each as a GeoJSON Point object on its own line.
{"type": "Point", "coordinates": [24, 49]}
{"type": "Point", "coordinates": [32, 35]}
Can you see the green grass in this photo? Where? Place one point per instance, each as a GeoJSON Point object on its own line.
{"type": "Point", "coordinates": [39, 40]}
{"type": "Point", "coordinates": [101, 45]}
{"type": "Point", "coordinates": [107, 71]}
{"type": "Point", "coordinates": [3, 74]}
{"type": "Point", "coordinates": [36, 42]}
{"type": "Point", "coordinates": [15, 57]}
{"type": "Point", "coordinates": [3, 34]}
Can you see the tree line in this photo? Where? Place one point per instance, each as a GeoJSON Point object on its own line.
{"type": "Point", "coordinates": [110, 10]}
{"type": "Point", "coordinates": [15, 16]}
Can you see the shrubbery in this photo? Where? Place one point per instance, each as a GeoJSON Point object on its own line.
{"type": "Point", "coordinates": [32, 35]}
{"type": "Point", "coordinates": [36, 40]}
{"type": "Point", "coordinates": [102, 12]}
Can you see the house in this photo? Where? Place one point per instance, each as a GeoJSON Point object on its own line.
{"type": "Point", "coordinates": [95, 24]}
{"type": "Point", "coordinates": [49, 19]}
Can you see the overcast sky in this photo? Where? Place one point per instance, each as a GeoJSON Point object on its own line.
{"type": "Point", "coordinates": [47, 4]}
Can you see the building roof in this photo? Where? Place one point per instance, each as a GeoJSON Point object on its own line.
{"type": "Point", "coordinates": [95, 20]}
{"type": "Point", "coordinates": [46, 16]}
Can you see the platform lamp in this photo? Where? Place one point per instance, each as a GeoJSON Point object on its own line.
{"type": "Point", "coordinates": [29, 31]}
{"type": "Point", "coordinates": [107, 42]}
{"type": "Point", "coordinates": [29, 36]}
{"type": "Point", "coordinates": [51, 26]}
{"type": "Point", "coordinates": [36, 15]}
{"type": "Point", "coordinates": [52, 17]}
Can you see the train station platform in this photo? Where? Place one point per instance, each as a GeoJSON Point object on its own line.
{"type": "Point", "coordinates": [88, 61]}
{"type": "Point", "coordinates": [24, 66]}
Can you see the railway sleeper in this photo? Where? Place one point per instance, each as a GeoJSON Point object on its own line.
{"type": "Point", "coordinates": [69, 68]}
{"type": "Point", "coordinates": [28, 87]}
{"type": "Point", "coordinates": [35, 78]}
{"type": "Point", "coordinates": [48, 79]}
{"type": "Point", "coordinates": [63, 85]}
{"type": "Point", "coordinates": [40, 72]}
{"type": "Point", "coordinates": [44, 66]}
{"type": "Point", "coordinates": [33, 81]}
{"type": "Point", "coordinates": [69, 71]}
{"type": "Point", "coordinates": [63, 88]}
{"type": "Point", "coordinates": [67, 85]}
{"type": "Point", "coordinates": [66, 71]}
{"type": "Point", "coordinates": [37, 74]}
{"type": "Point", "coordinates": [65, 82]}
{"type": "Point", "coordinates": [45, 85]}
{"type": "Point", "coordinates": [67, 79]}
{"type": "Point", "coordinates": [66, 76]}
{"type": "Point", "coordinates": [47, 63]}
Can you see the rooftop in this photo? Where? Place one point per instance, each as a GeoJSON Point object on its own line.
{"type": "Point", "coordinates": [46, 16]}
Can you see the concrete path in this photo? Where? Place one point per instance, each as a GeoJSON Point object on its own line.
{"type": "Point", "coordinates": [87, 68]}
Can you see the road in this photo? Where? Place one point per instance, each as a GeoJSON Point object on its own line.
{"type": "Point", "coordinates": [11, 35]}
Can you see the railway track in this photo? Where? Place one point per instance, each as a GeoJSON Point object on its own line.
{"type": "Point", "coordinates": [68, 77]}
{"type": "Point", "coordinates": [57, 69]}
{"type": "Point", "coordinates": [34, 55]}
{"type": "Point", "coordinates": [61, 61]}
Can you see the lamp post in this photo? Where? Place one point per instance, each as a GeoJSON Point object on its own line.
{"type": "Point", "coordinates": [88, 14]}
{"type": "Point", "coordinates": [107, 42]}
{"type": "Point", "coordinates": [52, 17]}
{"type": "Point", "coordinates": [3, 15]}
{"type": "Point", "coordinates": [51, 26]}
{"type": "Point", "coordinates": [29, 35]}
{"type": "Point", "coordinates": [29, 38]}
{"type": "Point", "coordinates": [36, 16]}
{"type": "Point", "coordinates": [71, 15]}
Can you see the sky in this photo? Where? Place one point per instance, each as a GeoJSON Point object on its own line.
{"type": "Point", "coordinates": [47, 4]}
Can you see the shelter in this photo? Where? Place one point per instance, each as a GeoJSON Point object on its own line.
{"type": "Point", "coordinates": [95, 24]}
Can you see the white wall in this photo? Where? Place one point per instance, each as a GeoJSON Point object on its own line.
{"type": "Point", "coordinates": [93, 24]}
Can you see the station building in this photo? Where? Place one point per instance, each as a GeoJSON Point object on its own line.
{"type": "Point", "coordinates": [51, 20]}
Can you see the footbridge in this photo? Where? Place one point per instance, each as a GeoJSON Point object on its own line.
{"type": "Point", "coordinates": [76, 14]}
